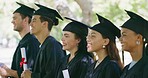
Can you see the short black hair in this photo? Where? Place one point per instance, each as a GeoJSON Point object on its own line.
{"type": "Point", "coordinates": [50, 22]}
{"type": "Point", "coordinates": [24, 16]}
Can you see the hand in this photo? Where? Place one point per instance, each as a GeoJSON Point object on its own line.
{"type": "Point", "coordinates": [3, 72]}
{"type": "Point", "coordinates": [3, 77]}
{"type": "Point", "coordinates": [26, 74]}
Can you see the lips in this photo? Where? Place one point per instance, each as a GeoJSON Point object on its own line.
{"type": "Point", "coordinates": [89, 45]}
{"type": "Point", "coordinates": [122, 44]}
{"type": "Point", "coordinates": [64, 44]}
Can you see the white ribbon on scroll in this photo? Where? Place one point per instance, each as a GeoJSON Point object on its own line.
{"type": "Point", "coordinates": [24, 59]}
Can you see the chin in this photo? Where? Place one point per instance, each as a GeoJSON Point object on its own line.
{"type": "Point", "coordinates": [124, 49]}
{"type": "Point", "coordinates": [89, 50]}
{"type": "Point", "coordinates": [34, 33]}
{"type": "Point", "coordinates": [64, 48]}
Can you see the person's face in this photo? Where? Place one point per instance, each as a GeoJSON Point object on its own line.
{"type": "Point", "coordinates": [128, 39]}
{"type": "Point", "coordinates": [69, 41]}
{"type": "Point", "coordinates": [95, 41]}
{"type": "Point", "coordinates": [36, 25]}
{"type": "Point", "coordinates": [17, 21]}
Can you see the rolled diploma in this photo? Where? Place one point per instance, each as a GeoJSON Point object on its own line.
{"type": "Point", "coordinates": [23, 53]}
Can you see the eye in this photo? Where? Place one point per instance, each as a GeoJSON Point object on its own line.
{"type": "Point", "coordinates": [91, 36]}
{"type": "Point", "coordinates": [14, 18]}
{"type": "Point", "coordinates": [66, 36]}
{"type": "Point", "coordinates": [33, 20]}
{"type": "Point", "coordinates": [123, 34]}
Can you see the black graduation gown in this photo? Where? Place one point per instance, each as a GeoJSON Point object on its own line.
{"type": "Point", "coordinates": [106, 69]}
{"type": "Point", "coordinates": [31, 45]}
{"type": "Point", "coordinates": [48, 59]}
{"type": "Point", "coordinates": [139, 70]}
{"type": "Point", "coordinates": [77, 66]}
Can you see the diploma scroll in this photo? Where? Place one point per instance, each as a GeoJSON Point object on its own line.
{"type": "Point", "coordinates": [24, 59]}
{"type": "Point", "coordinates": [66, 73]}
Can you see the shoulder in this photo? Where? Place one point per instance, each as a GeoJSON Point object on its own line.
{"type": "Point", "coordinates": [52, 40]}
{"type": "Point", "coordinates": [87, 59]}
{"type": "Point", "coordinates": [113, 65]}
{"type": "Point", "coordinates": [32, 38]}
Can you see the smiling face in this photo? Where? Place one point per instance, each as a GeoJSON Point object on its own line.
{"type": "Point", "coordinates": [95, 41]}
{"type": "Point", "coordinates": [69, 41]}
{"type": "Point", "coordinates": [17, 21]}
{"type": "Point", "coordinates": [128, 40]}
{"type": "Point", "coordinates": [36, 25]}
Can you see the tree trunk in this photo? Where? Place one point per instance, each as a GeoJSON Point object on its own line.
{"type": "Point", "coordinates": [86, 6]}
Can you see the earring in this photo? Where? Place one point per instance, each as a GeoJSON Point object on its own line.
{"type": "Point", "coordinates": [138, 42]}
{"type": "Point", "coordinates": [103, 46]}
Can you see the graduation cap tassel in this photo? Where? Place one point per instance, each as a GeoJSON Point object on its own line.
{"type": "Point", "coordinates": [123, 57]}
{"type": "Point", "coordinates": [146, 49]}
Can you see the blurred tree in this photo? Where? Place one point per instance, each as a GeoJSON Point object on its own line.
{"type": "Point", "coordinates": [81, 10]}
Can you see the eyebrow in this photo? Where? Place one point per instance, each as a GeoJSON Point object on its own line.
{"type": "Point", "coordinates": [65, 34]}
{"type": "Point", "coordinates": [14, 17]}
{"type": "Point", "coordinates": [123, 32]}
{"type": "Point", "coordinates": [34, 19]}
{"type": "Point", "coordinates": [92, 33]}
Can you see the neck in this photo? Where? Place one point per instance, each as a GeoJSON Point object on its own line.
{"type": "Point", "coordinates": [42, 36]}
{"type": "Point", "coordinates": [137, 53]}
{"type": "Point", "coordinates": [101, 54]}
{"type": "Point", "coordinates": [24, 31]}
{"type": "Point", "coordinates": [72, 53]}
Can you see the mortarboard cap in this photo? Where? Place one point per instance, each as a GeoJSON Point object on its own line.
{"type": "Point", "coordinates": [48, 12]}
{"type": "Point", "coordinates": [106, 28]}
{"type": "Point", "coordinates": [25, 10]}
{"type": "Point", "coordinates": [76, 27]}
{"type": "Point", "coordinates": [137, 24]}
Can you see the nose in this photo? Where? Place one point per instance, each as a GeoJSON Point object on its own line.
{"type": "Point", "coordinates": [31, 23]}
{"type": "Point", "coordinates": [12, 21]}
{"type": "Point", "coordinates": [120, 39]}
{"type": "Point", "coordinates": [62, 38]}
{"type": "Point", "coordinates": [87, 38]}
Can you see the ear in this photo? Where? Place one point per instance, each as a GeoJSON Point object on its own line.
{"type": "Point", "coordinates": [26, 19]}
{"type": "Point", "coordinates": [78, 40]}
{"type": "Point", "coordinates": [139, 37]}
{"type": "Point", "coordinates": [45, 23]}
{"type": "Point", "coordinates": [106, 41]}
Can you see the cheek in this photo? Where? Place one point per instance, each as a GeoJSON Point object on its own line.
{"type": "Point", "coordinates": [94, 46]}
{"type": "Point", "coordinates": [71, 42]}
{"type": "Point", "coordinates": [128, 44]}
{"type": "Point", "coordinates": [68, 44]}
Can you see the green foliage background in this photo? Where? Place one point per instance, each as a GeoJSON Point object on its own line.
{"type": "Point", "coordinates": [111, 9]}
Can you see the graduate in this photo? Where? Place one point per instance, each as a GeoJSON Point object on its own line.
{"type": "Point", "coordinates": [21, 20]}
{"type": "Point", "coordinates": [50, 52]}
{"type": "Point", "coordinates": [76, 63]}
{"type": "Point", "coordinates": [134, 37]}
{"type": "Point", "coordinates": [101, 40]}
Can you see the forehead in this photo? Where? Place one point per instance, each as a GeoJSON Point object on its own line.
{"type": "Point", "coordinates": [93, 32]}
{"type": "Point", "coordinates": [126, 30]}
{"type": "Point", "coordinates": [36, 17]}
{"type": "Point", "coordinates": [68, 33]}
{"type": "Point", "coordinates": [16, 14]}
